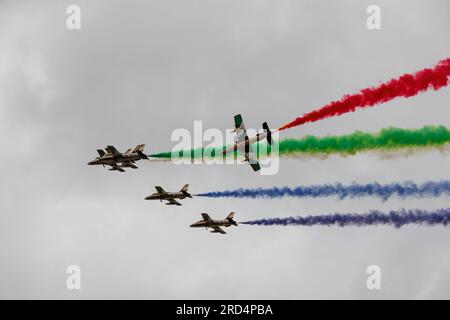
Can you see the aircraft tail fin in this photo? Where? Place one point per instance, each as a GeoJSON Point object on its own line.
{"type": "Point", "coordinates": [269, 133]}
{"type": "Point", "coordinates": [184, 190]}
{"type": "Point", "coordinates": [142, 155]}
{"type": "Point", "coordinates": [139, 147]}
{"type": "Point", "coordinates": [101, 152]}
{"type": "Point", "coordinates": [230, 218]}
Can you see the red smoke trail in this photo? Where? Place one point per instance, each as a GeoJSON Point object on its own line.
{"type": "Point", "coordinates": [406, 86]}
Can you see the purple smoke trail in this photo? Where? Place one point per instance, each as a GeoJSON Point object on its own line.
{"type": "Point", "coordinates": [374, 217]}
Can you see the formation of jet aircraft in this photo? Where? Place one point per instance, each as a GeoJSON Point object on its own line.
{"type": "Point", "coordinates": [170, 197]}
{"type": "Point", "coordinates": [119, 160]}
{"type": "Point", "coordinates": [244, 144]}
{"type": "Point", "coordinates": [216, 225]}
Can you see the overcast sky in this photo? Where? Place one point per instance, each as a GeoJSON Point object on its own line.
{"type": "Point", "coordinates": [136, 71]}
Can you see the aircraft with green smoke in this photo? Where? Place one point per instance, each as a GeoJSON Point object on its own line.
{"type": "Point", "coordinates": [244, 144]}
{"type": "Point", "coordinates": [119, 160]}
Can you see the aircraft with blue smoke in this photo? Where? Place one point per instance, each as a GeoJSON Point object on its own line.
{"type": "Point", "coordinates": [216, 225]}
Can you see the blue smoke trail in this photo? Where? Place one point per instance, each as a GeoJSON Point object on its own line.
{"type": "Point", "coordinates": [402, 190]}
{"type": "Point", "coordinates": [374, 217]}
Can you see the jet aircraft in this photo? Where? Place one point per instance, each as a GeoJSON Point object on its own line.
{"type": "Point", "coordinates": [216, 225]}
{"type": "Point", "coordinates": [244, 144]}
{"type": "Point", "coordinates": [170, 197]}
{"type": "Point", "coordinates": [118, 160]}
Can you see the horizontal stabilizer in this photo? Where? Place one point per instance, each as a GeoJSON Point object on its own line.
{"type": "Point", "coordinates": [142, 155]}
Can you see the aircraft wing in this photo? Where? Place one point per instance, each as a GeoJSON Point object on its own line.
{"type": "Point", "coordinates": [206, 217]}
{"type": "Point", "coordinates": [112, 150]}
{"type": "Point", "coordinates": [160, 190]}
{"type": "Point", "coordinates": [115, 167]}
{"type": "Point", "coordinates": [173, 202]}
{"type": "Point", "coordinates": [241, 133]}
{"type": "Point", "coordinates": [218, 230]}
{"type": "Point", "coordinates": [255, 166]}
{"type": "Point", "coordinates": [250, 156]}
{"type": "Point", "coordinates": [131, 165]}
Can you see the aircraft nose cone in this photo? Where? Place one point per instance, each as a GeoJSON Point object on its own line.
{"type": "Point", "coordinates": [147, 198]}
{"type": "Point", "coordinates": [192, 225]}
{"type": "Point", "coordinates": [90, 163]}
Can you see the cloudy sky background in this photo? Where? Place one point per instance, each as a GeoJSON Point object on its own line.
{"type": "Point", "coordinates": [138, 70]}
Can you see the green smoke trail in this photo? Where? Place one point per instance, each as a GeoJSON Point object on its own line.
{"type": "Point", "coordinates": [388, 139]}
